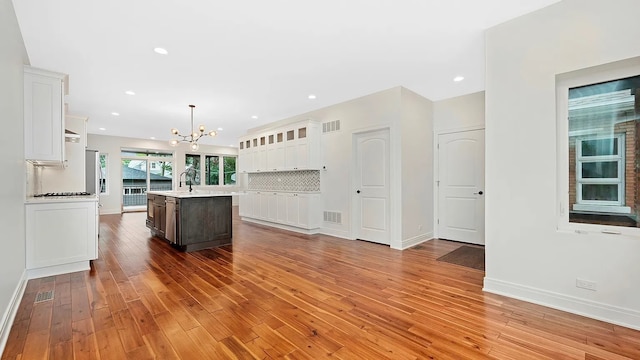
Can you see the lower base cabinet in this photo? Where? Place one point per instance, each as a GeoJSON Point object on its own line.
{"type": "Point", "coordinates": [300, 210]}
{"type": "Point", "coordinates": [60, 234]}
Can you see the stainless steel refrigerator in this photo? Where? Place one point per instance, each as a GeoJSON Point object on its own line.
{"type": "Point", "coordinates": [93, 176]}
{"type": "Point", "coordinates": [93, 181]}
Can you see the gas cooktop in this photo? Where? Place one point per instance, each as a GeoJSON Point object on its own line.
{"type": "Point", "coordinates": [74, 193]}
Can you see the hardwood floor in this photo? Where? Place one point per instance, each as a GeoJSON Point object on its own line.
{"type": "Point", "coordinates": [276, 294]}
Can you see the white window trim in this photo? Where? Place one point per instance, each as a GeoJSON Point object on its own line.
{"type": "Point", "coordinates": [619, 180]}
{"type": "Point", "coordinates": [203, 169]}
{"type": "Point", "coordinates": [602, 73]}
{"type": "Point", "coordinates": [104, 176]}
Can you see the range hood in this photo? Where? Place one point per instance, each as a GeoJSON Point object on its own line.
{"type": "Point", "coordinates": [70, 136]}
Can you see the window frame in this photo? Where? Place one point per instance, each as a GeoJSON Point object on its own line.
{"type": "Point", "coordinates": [206, 169]}
{"type": "Point", "coordinates": [563, 82]}
{"type": "Point", "coordinates": [235, 171]}
{"type": "Point", "coordinates": [619, 180]}
{"type": "Point", "coordinates": [199, 170]}
{"type": "Point", "coordinates": [203, 168]}
{"type": "Point", "coordinates": [104, 177]}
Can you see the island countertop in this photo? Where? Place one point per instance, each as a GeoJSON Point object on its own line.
{"type": "Point", "coordinates": [195, 193]}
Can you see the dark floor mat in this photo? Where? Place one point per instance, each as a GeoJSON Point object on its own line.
{"type": "Point", "coordinates": [468, 256]}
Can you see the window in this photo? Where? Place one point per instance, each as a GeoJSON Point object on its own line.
{"type": "Point", "coordinates": [103, 174]}
{"type": "Point", "coordinates": [599, 115]}
{"type": "Point", "coordinates": [600, 171]}
{"type": "Point", "coordinates": [193, 161]}
{"type": "Point", "coordinates": [218, 170]}
{"type": "Point", "coordinates": [144, 170]}
{"type": "Point", "coordinates": [229, 170]}
{"type": "Point", "coordinates": [212, 165]}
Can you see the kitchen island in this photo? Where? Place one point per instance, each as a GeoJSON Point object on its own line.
{"type": "Point", "coordinates": [190, 220]}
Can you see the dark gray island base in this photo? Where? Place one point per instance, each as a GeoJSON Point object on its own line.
{"type": "Point", "coordinates": [190, 221]}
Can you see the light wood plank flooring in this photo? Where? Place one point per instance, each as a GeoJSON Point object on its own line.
{"type": "Point", "coordinates": [276, 294]}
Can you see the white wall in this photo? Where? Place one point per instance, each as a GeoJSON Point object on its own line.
{"type": "Point", "coordinates": [409, 118]}
{"type": "Point", "coordinates": [416, 124]}
{"type": "Point", "coordinates": [459, 113]}
{"type": "Point", "coordinates": [113, 145]}
{"type": "Point", "coordinates": [378, 110]}
{"type": "Point", "coordinates": [526, 256]}
{"type": "Point", "coordinates": [12, 182]}
{"type": "Point", "coordinates": [71, 177]}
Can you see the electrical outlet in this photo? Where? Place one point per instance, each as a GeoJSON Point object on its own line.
{"type": "Point", "coordinates": [586, 284]}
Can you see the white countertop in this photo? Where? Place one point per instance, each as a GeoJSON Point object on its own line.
{"type": "Point", "coordinates": [60, 199]}
{"type": "Point", "coordinates": [195, 193]}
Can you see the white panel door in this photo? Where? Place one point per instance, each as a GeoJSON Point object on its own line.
{"type": "Point", "coordinates": [371, 180]}
{"type": "Point", "coordinates": [461, 186]}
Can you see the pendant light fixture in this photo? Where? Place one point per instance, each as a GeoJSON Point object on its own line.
{"type": "Point", "coordinates": [192, 138]}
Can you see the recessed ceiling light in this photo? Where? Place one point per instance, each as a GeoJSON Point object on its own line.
{"type": "Point", "coordinates": [254, 116]}
{"type": "Point", "coordinates": [458, 78]}
{"type": "Point", "coordinates": [129, 92]}
{"type": "Point", "coordinates": [102, 129]}
{"type": "Point", "coordinates": [161, 51]}
{"type": "Point", "coordinates": [152, 138]}
{"type": "Point", "coordinates": [220, 129]}
{"type": "Point", "coordinates": [311, 97]}
{"type": "Point", "coordinates": [115, 114]}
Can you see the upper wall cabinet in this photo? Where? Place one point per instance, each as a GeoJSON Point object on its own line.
{"type": "Point", "coordinates": [44, 120]}
{"type": "Point", "coordinates": [293, 147]}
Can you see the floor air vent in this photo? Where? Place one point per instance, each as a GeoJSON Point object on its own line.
{"type": "Point", "coordinates": [330, 126]}
{"type": "Point", "coordinates": [44, 296]}
{"type": "Point", "coordinates": [333, 217]}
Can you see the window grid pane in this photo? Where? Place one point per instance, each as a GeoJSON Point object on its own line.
{"type": "Point", "coordinates": [212, 165]}
{"type": "Point", "coordinates": [229, 164]}
{"type": "Point", "coordinates": [192, 161]}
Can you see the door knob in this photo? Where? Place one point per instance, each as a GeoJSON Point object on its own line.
{"type": "Point", "coordinates": [479, 193]}
{"type": "Point", "coordinates": [358, 191]}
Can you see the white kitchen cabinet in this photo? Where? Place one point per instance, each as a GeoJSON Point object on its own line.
{"type": "Point", "coordinates": [275, 151]}
{"type": "Point", "coordinates": [272, 213]}
{"type": "Point", "coordinates": [281, 200]}
{"type": "Point", "coordinates": [261, 151]}
{"type": "Point", "coordinates": [264, 205]}
{"type": "Point", "coordinates": [245, 155]}
{"type": "Point", "coordinates": [302, 147]}
{"type": "Point", "coordinates": [295, 210]}
{"type": "Point", "coordinates": [243, 205]}
{"type": "Point", "coordinates": [60, 236]}
{"type": "Point", "coordinates": [293, 147]}
{"type": "Point", "coordinates": [44, 121]}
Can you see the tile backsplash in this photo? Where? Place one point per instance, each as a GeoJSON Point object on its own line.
{"type": "Point", "coordinates": [303, 180]}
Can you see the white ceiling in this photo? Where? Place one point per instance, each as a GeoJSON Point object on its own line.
{"type": "Point", "coordinates": [237, 59]}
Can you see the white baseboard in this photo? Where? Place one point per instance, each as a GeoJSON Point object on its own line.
{"type": "Point", "coordinates": [10, 314]}
{"type": "Point", "coordinates": [104, 211]}
{"type": "Point", "coordinates": [592, 309]}
{"type": "Point", "coordinates": [336, 233]}
{"type": "Point", "coordinates": [407, 243]}
{"type": "Point", "coordinates": [58, 269]}
{"type": "Point", "coordinates": [282, 226]}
